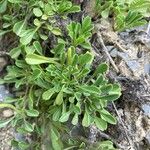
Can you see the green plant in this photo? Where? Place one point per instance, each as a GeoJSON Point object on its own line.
{"type": "Point", "coordinates": [60, 91]}
{"type": "Point", "coordinates": [126, 14]}
{"type": "Point", "coordinates": [53, 85]}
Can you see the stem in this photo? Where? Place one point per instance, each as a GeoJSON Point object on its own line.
{"type": "Point", "coordinates": [3, 105]}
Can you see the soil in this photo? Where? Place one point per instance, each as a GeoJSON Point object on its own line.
{"type": "Point", "coordinates": [130, 53]}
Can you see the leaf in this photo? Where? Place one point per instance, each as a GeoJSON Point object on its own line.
{"type": "Point", "coordinates": [36, 74]}
{"type": "Point", "coordinates": [28, 36]}
{"type": "Point", "coordinates": [64, 117]}
{"type": "Point", "coordinates": [15, 52]}
{"type": "Point", "coordinates": [87, 24]}
{"type": "Point", "coordinates": [59, 98]}
{"type": "Point", "coordinates": [100, 123]}
{"type": "Point", "coordinates": [105, 13]}
{"type": "Point", "coordinates": [32, 113]}
{"type": "Point", "coordinates": [101, 69]}
{"type": "Point", "coordinates": [34, 59]}
{"type": "Point", "coordinates": [28, 127]}
{"type": "Point", "coordinates": [19, 27]}
{"type": "Point", "coordinates": [59, 48]}
{"type": "Point", "coordinates": [90, 89]}
{"type": "Point", "coordinates": [85, 58]}
{"type": "Point", "coordinates": [106, 88]}
{"type": "Point", "coordinates": [47, 94]}
{"type": "Point", "coordinates": [55, 137]}
{"type": "Point", "coordinates": [105, 115]}
{"type": "Point", "coordinates": [56, 31]}
{"type": "Point", "coordinates": [37, 12]}
{"type": "Point", "coordinates": [23, 145]}
{"type": "Point", "coordinates": [111, 97]}
{"type": "Point", "coordinates": [86, 121]}
{"type": "Point", "coordinates": [3, 6]}
{"type": "Point", "coordinates": [99, 80]}
{"type": "Point", "coordinates": [3, 123]}
{"type": "Point", "coordinates": [37, 47]}
{"type": "Point", "coordinates": [75, 120]}
{"type": "Point", "coordinates": [57, 114]}
{"type": "Point", "coordinates": [74, 9]}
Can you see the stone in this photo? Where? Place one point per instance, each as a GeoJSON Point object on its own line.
{"type": "Point", "coordinates": [3, 93]}
{"type": "Point", "coordinates": [146, 109]}
{"type": "Point", "coordinates": [7, 113]}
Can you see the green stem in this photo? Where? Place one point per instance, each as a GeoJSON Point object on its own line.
{"type": "Point", "coordinates": [3, 105]}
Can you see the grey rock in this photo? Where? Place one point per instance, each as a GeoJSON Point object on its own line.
{"type": "Point", "coordinates": [133, 65]}
{"type": "Point", "coordinates": [4, 93]}
{"type": "Point", "coordinates": [146, 109]}
{"type": "Point", "coordinates": [109, 48]}
{"type": "Point", "coordinates": [147, 68]}
{"type": "Point", "coordinates": [114, 52]}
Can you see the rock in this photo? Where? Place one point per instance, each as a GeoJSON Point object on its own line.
{"type": "Point", "coordinates": [3, 93]}
{"type": "Point", "coordinates": [146, 109]}
{"type": "Point", "coordinates": [3, 63]}
{"type": "Point", "coordinates": [7, 113]}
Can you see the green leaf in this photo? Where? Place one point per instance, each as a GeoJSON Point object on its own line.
{"type": "Point", "coordinates": [23, 145]}
{"type": "Point", "coordinates": [86, 24]}
{"type": "Point", "coordinates": [32, 113]}
{"type": "Point", "coordinates": [64, 117]}
{"type": "Point", "coordinates": [37, 12]}
{"type": "Point", "coordinates": [106, 88]}
{"type": "Point", "coordinates": [56, 31]}
{"type": "Point", "coordinates": [105, 115]}
{"type": "Point", "coordinates": [75, 119]}
{"type": "Point", "coordinates": [102, 68]}
{"type": "Point", "coordinates": [59, 48]}
{"type": "Point", "coordinates": [19, 27]}
{"type": "Point", "coordinates": [57, 114]}
{"type": "Point", "coordinates": [37, 47]}
{"type": "Point", "coordinates": [111, 97]}
{"type": "Point", "coordinates": [85, 58]}
{"type": "Point", "coordinates": [15, 52]}
{"type": "Point", "coordinates": [28, 127]}
{"type": "Point", "coordinates": [99, 80]}
{"type": "Point", "coordinates": [3, 123]}
{"type": "Point", "coordinates": [3, 6]}
{"type": "Point", "coordinates": [47, 94]}
{"type": "Point", "coordinates": [100, 123]}
{"type": "Point", "coordinates": [86, 121]}
{"type": "Point", "coordinates": [90, 89]}
{"type": "Point", "coordinates": [27, 36]}
{"type": "Point", "coordinates": [34, 59]}
{"type": "Point", "coordinates": [55, 137]}
{"type": "Point", "coordinates": [59, 98]}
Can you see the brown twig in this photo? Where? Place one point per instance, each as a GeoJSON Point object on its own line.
{"type": "Point", "coordinates": [100, 40]}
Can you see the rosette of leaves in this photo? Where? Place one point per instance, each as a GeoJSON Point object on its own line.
{"type": "Point", "coordinates": [52, 91]}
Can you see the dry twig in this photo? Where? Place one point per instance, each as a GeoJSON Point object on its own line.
{"type": "Point", "coordinates": [100, 40]}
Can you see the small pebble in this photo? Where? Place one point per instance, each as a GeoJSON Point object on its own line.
{"type": "Point", "coordinates": [7, 113]}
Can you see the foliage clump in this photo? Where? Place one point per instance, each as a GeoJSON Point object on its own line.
{"type": "Point", "coordinates": [54, 85]}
